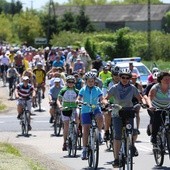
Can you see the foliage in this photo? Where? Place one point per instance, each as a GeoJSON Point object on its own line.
{"type": "Point", "coordinates": [91, 48]}
{"type": "Point", "coordinates": [166, 22]}
{"type": "Point", "coordinates": [86, 2]}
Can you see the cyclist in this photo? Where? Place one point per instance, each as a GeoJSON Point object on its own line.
{"type": "Point", "coordinates": [52, 96]}
{"type": "Point", "coordinates": [24, 90]}
{"type": "Point", "coordinates": [90, 94]}
{"type": "Point", "coordinates": [103, 75]}
{"type": "Point", "coordinates": [67, 100]}
{"type": "Point", "coordinates": [98, 81]}
{"type": "Point", "coordinates": [79, 81]}
{"type": "Point", "coordinates": [108, 83]}
{"type": "Point", "coordinates": [12, 75]}
{"type": "Point", "coordinates": [123, 92]}
{"type": "Point", "coordinates": [159, 97]}
{"type": "Point", "coordinates": [150, 77]}
{"type": "Point", "coordinates": [40, 76]}
{"type": "Point", "coordinates": [4, 62]}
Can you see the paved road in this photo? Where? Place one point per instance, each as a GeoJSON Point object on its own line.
{"type": "Point", "coordinates": [42, 139]}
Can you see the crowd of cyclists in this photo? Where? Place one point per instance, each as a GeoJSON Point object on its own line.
{"type": "Point", "coordinates": [73, 78]}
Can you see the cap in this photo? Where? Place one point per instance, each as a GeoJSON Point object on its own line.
{"type": "Point", "coordinates": [134, 76]}
{"type": "Point", "coordinates": [78, 58]}
{"type": "Point", "coordinates": [56, 80]}
{"type": "Point", "coordinates": [25, 78]}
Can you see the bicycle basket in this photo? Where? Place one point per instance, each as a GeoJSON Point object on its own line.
{"type": "Point", "coordinates": [67, 113]}
{"type": "Point", "coordinates": [127, 112]}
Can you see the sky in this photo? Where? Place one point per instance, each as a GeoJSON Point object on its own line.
{"type": "Point", "coordinates": [38, 4]}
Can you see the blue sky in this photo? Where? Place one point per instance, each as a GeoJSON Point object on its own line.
{"type": "Point", "coordinates": [37, 4]}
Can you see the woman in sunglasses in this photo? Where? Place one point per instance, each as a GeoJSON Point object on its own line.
{"type": "Point", "coordinates": [123, 92]}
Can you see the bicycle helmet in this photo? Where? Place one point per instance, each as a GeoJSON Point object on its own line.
{"type": "Point", "coordinates": [39, 64]}
{"type": "Point", "coordinates": [115, 70]}
{"type": "Point", "coordinates": [90, 75]}
{"type": "Point", "coordinates": [155, 75]}
{"type": "Point", "coordinates": [70, 77]}
{"type": "Point", "coordinates": [126, 72]}
{"type": "Point", "coordinates": [155, 69]}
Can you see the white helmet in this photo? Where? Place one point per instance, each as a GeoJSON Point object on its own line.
{"type": "Point", "coordinates": [90, 75]}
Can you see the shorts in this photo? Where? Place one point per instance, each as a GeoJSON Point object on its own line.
{"type": "Point", "coordinates": [29, 103]}
{"type": "Point", "coordinates": [86, 117]}
{"type": "Point", "coordinates": [66, 118]}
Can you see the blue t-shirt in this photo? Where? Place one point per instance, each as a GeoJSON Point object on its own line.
{"type": "Point", "coordinates": [58, 63]}
{"type": "Point", "coordinates": [90, 96]}
{"type": "Point", "coordinates": [54, 91]}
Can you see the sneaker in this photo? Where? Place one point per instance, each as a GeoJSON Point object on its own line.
{"type": "Point", "coordinates": [117, 163]}
{"type": "Point", "coordinates": [106, 136]}
{"type": "Point", "coordinates": [134, 151]}
{"type": "Point", "coordinates": [148, 130]}
{"type": "Point", "coordinates": [29, 127]}
{"type": "Point", "coordinates": [153, 140]}
{"type": "Point", "coordinates": [51, 119]}
{"type": "Point", "coordinates": [100, 138]}
{"type": "Point", "coordinates": [19, 116]}
{"type": "Point", "coordinates": [43, 96]}
{"type": "Point", "coordinates": [64, 147]}
{"type": "Point", "coordinates": [84, 155]}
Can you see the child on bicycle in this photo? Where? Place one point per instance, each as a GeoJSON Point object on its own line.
{"type": "Point", "coordinates": [67, 102]}
{"type": "Point", "coordinates": [90, 94]}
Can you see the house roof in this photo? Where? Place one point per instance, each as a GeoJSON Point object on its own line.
{"type": "Point", "coordinates": [118, 13]}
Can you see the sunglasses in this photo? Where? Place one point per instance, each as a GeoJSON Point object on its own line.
{"type": "Point", "coordinates": [127, 78]}
{"type": "Point", "coordinates": [71, 82]}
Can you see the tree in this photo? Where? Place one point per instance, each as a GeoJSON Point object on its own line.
{"type": "Point", "coordinates": [166, 22]}
{"type": "Point", "coordinates": [86, 2]}
{"type": "Point", "coordinates": [83, 22]}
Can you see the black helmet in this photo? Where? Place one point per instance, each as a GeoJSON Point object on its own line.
{"type": "Point", "coordinates": [115, 70]}
{"type": "Point", "coordinates": [70, 77]}
{"type": "Point", "coordinates": [125, 71]}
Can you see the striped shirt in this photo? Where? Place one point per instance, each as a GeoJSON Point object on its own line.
{"type": "Point", "coordinates": [25, 92]}
{"type": "Point", "coordinates": [161, 100]}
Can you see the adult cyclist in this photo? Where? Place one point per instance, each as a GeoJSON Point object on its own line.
{"type": "Point", "coordinates": [123, 93]}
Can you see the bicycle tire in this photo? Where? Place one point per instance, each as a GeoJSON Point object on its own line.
{"type": "Point", "coordinates": [26, 122]}
{"type": "Point", "coordinates": [129, 156]}
{"type": "Point", "coordinates": [95, 150]}
{"type": "Point", "coordinates": [39, 100]}
{"type": "Point", "coordinates": [57, 124]}
{"type": "Point", "coordinates": [4, 78]}
{"type": "Point", "coordinates": [74, 141]}
{"type": "Point", "coordinates": [168, 142]}
{"type": "Point", "coordinates": [158, 151]}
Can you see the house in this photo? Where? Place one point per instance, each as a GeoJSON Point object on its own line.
{"type": "Point", "coordinates": [118, 16]}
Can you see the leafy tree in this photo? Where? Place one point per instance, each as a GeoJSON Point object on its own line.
{"type": "Point", "coordinates": [166, 22]}
{"type": "Point", "coordinates": [67, 22]}
{"type": "Point", "coordinates": [83, 22]}
{"type": "Point", "coordinates": [86, 2]}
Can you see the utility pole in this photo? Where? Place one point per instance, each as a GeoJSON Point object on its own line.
{"type": "Point", "coordinates": [149, 31]}
{"type": "Point", "coordinates": [32, 5]}
{"type": "Point", "coordinates": [51, 10]}
{"type": "Point", "coordinates": [12, 7]}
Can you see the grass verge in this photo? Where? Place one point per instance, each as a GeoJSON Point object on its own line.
{"type": "Point", "coordinates": [11, 158]}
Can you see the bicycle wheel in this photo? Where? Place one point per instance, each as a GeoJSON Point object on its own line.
{"type": "Point", "coordinates": [57, 124]}
{"type": "Point", "coordinates": [26, 122]}
{"type": "Point", "coordinates": [74, 141]}
{"type": "Point", "coordinates": [79, 137]}
{"type": "Point", "coordinates": [95, 149]}
{"type": "Point", "coordinates": [129, 151]}
{"type": "Point", "coordinates": [39, 100]}
{"type": "Point", "coordinates": [158, 151]}
{"type": "Point", "coordinates": [4, 78]}
{"type": "Point", "coordinates": [168, 142]}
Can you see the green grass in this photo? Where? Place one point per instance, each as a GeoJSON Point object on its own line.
{"type": "Point", "coordinates": [11, 158]}
{"type": "Point", "coordinates": [2, 106]}
{"type": "Point", "coordinates": [162, 65]}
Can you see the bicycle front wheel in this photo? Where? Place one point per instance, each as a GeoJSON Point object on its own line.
{"type": "Point", "coordinates": [93, 153]}
{"type": "Point", "coordinates": [158, 151]}
{"type": "Point", "coordinates": [39, 100]}
{"type": "Point", "coordinates": [26, 122]}
{"type": "Point", "coordinates": [129, 151]}
{"type": "Point", "coordinates": [57, 124]}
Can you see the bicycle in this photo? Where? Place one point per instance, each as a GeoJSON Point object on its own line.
{"type": "Point", "coordinates": [13, 81]}
{"type": "Point", "coordinates": [93, 139]}
{"type": "Point", "coordinates": [163, 136]}
{"type": "Point", "coordinates": [4, 69]}
{"type": "Point", "coordinates": [38, 98]}
{"type": "Point", "coordinates": [25, 118]}
{"type": "Point", "coordinates": [57, 120]}
{"type": "Point", "coordinates": [127, 144]}
{"type": "Point", "coordinates": [72, 132]}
